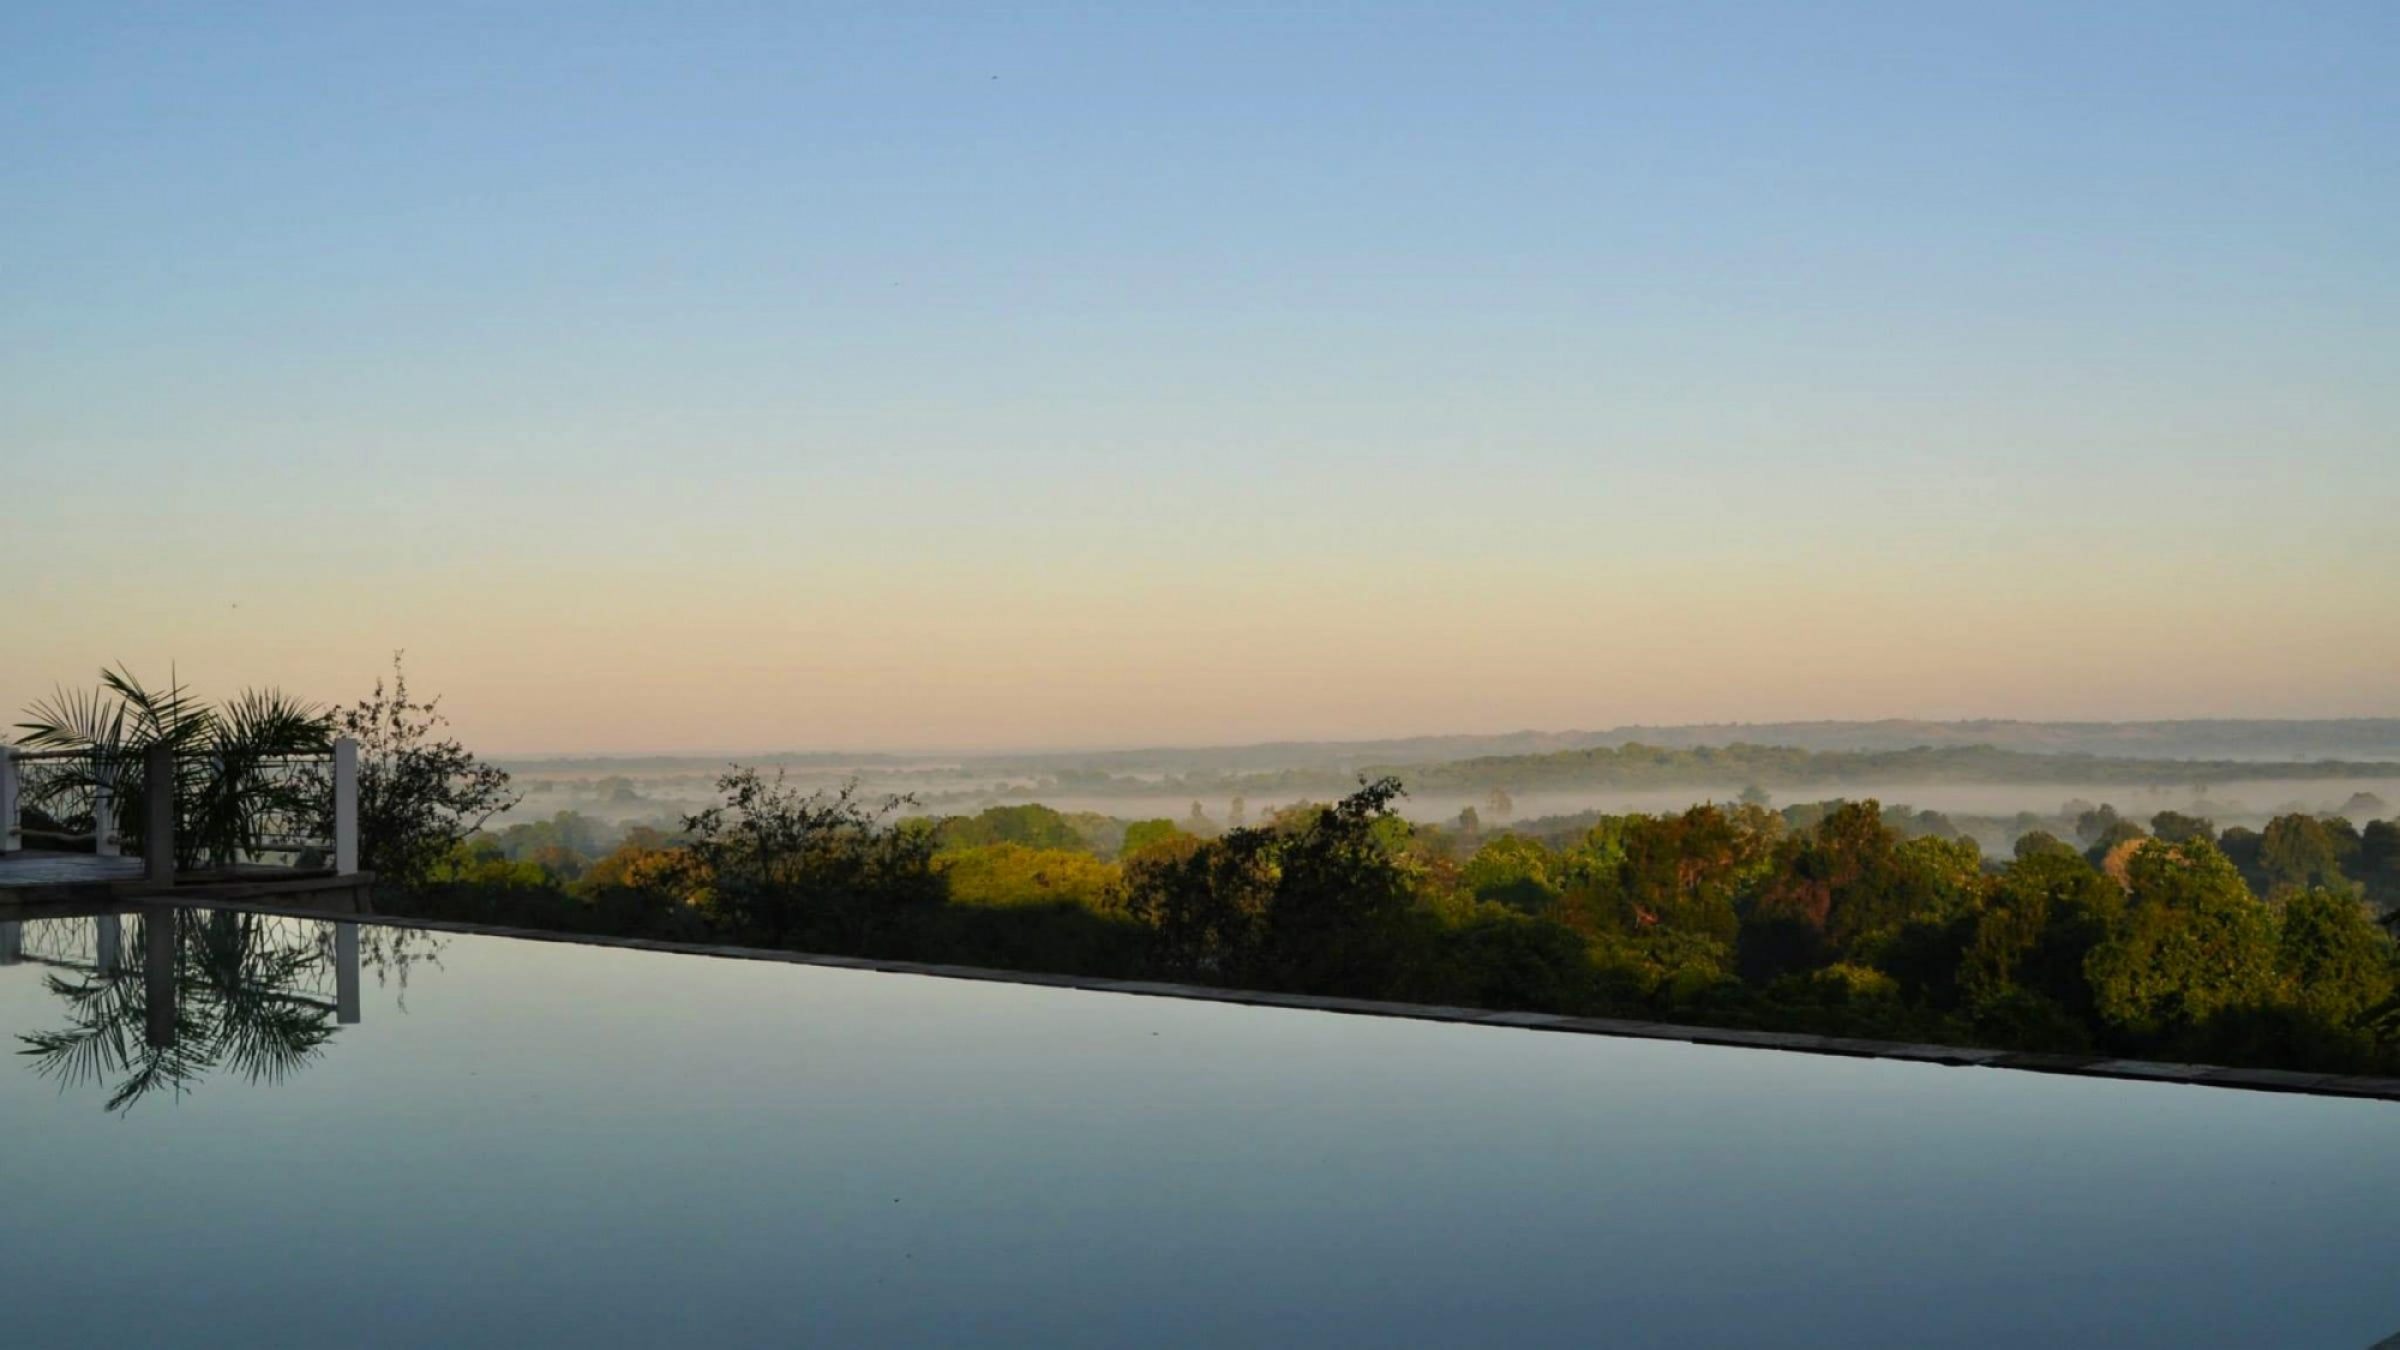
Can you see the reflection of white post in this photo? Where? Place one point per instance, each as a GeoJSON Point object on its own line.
{"type": "Point", "coordinates": [158, 974]}
{"type": "Point", "coordinates": [11, 837]}
{"type": "Point", "coordinates": [12, 941]}
{"type": "Point", "coordinates": [345, 973]}
{"type": "Point", "coordinates": [345, 806]}
{"type": "Point", "coordinates": [109, 941]}
{"type": "Point", "coordinates": [158, 825]}
{"type": "Point", "coordinates": [104, 821]}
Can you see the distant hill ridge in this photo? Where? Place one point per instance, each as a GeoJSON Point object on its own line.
{"type": "Point", "coordinates": [1638, 765]}
{"type": "Point", "coordinates": [2230, 739]}
{"type": "Point", "coordinates": [2260, 740]}
{"type": "Point", "coordinates": [2254, 738]}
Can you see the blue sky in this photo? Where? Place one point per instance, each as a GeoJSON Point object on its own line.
{"type": "Point", "coordinates": [924, 375]}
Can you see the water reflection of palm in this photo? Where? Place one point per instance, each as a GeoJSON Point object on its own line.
{"type": "Point", "coordinates": [256, 994]}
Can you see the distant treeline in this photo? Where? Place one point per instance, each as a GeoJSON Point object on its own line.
{"type": "Point", "coordinates": [2167, 938]}
{"type": "Point", "coordinates": [2248, 742]}
{"type": "Point", "coordinates": [2197, 738]}
{"type": "Point", "coordinates": [1789, 766]}
{"type": "Point", "coordinates": [2206, 738]}
{"type": "Point", "coordinates": [1778, 766]}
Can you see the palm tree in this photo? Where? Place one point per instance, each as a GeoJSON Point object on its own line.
{"type": "Point", "coordinates": [243, 1002]}
{"type": "Point", "coordinates": [251, 999]}
{"type": "Point", "coordinates": [238, 790]}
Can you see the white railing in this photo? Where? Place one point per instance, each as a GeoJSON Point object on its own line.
{"type": "Point", "coordinates": [26, 777]}
{"type": "Point", "coordinates": [63, 784]}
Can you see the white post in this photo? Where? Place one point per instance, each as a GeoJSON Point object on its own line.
{"type": "Point", "coordinates": [12, 836]}
{"type": "Point", "coordinates": [104, 821]}
{"type": "Point", "coordinates": [345, 806]}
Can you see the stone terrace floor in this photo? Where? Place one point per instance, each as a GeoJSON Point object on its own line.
{"type": "Point", "coordinates": [32, 867]}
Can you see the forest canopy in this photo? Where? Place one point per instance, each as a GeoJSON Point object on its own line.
{"type": "Point", "coordinates": [2164, 938]}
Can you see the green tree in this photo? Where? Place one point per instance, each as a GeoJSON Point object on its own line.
{"type": "Point", "coordinates": [419, 791]}
{"type": "Point", "coordinates": [1032, 825]}
{"type": "Point", "coordinates": [558, 862]}
{"type": "Point", "coordinates": [2036, 843]}
{"type": "Point", "coordinates": [2094, 824]}
{"type": "Point", "coordinates": [1144, 836]}
{"type": "Point", "coordinates": [2379, 862]}
{"type": "Point", "coordinates": [1205, 904]}
{"type": "Point", "coordinates": [1319, 904]}
{"type": "Point", "coordinates": [822, 869]}
{"type": "Point", "coordinates": [1500, 959]}
{"type": "Point", "coordinates": [1684, 872]}
{"type": "Point", "coordinates": [1847, 886]}
{"type": "Point", "coordinates": [571, 833]}
{"type": "Point", "coordinates": [643, 863]}
{"type": "Point", "coordinates": [1512, 871]}
{"type": "Point", "coordinates": [1014, 874]}
{"type": "Point", "coordinates": [2112, 839]}
{"type": "Point", "coordinates": [2337, 960]}
{"type": "Point", "coordinates": [2240, 845]}
{"type": "Point", "coordinates": [1341, 897]}
{"type": "Point", "coordinates": [481, 865]}
{"type": "Point", "coordinates": [2036, 928]}
{"type": "Point", "coordinates": [2297, 851]}
{"type": "Point", "coordinates": [2193, 942]}
{"type": "Point", "coordinates": [2174, 827]}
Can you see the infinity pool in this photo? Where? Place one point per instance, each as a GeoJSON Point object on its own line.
{"type": "Point", "coordinates": [480, 1141]}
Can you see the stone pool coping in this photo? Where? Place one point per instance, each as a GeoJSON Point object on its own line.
{"type": "Point", "coordinates": [2073, 1065]}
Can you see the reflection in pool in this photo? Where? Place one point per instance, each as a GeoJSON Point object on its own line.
{"type": "Point", "coordinates": [551, 1143]}
{"type": "Point", "coordinates": [254, 995]}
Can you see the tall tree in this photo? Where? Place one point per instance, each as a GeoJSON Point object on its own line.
{"type": "Point", "coordinates": [2194, 942]}
{"type": "Point", "coordinates": [419, 790]}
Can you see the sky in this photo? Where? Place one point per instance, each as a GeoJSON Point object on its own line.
{"type": "Point", "coordinates": [740, 376]}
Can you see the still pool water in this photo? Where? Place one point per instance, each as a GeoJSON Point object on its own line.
{"type": "Point", "coordinates": [479, 1141]}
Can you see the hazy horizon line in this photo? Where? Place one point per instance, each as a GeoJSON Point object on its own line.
{"type": "Point", "coordinates": [1142, 747]}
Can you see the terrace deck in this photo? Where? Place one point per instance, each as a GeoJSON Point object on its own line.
{"type": "Point", "coordinates": [33, 878]}
{"type": "Point", "coordinates": [33, 874]}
